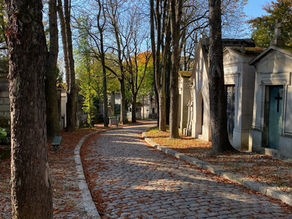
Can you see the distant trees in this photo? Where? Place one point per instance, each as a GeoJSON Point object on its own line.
{"type": "Point", "coordinates": [136, 61]}
{"type": "Point", "coordinates": [279, 16]}
{"type": "Point", "coordinates": [31, 193]}
{"type": "Point", "coordinates": [116, 38]}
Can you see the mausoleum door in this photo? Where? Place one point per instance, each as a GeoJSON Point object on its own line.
{"type": "Point", "coordinates": [275, 115]}
{"type": "Point", "coordinates": [230, 93]}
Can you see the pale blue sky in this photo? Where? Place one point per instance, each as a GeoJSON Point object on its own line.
{"type": "Point", "coordinates": [254, 8]}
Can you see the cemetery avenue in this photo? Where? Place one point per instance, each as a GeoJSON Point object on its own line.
{"type": "Point", "coordinates": [145, 109]}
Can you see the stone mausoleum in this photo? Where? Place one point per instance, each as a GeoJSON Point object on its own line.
{"type": "Point", "coordinates": [271, 129]}
{"type": "Point", "coordinates": [239, 85]}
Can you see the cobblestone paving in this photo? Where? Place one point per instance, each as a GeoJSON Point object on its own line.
{"type": "Point", "coordinates": [140, 182]}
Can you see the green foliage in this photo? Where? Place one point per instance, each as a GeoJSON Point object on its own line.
{"type": "Point", "coordinates": [4, 136]}
{"type": "Point", "coordinates": [147, 87]}
{"type": "Point", "coordinates": [89, 84]}
{"type": "Point", "coordinates": [279, 11]}
{"type": "Point", "coordinates": [89, 74]}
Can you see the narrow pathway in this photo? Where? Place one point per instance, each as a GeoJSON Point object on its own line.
{"type": "Point", "coordinates": [136, 181]}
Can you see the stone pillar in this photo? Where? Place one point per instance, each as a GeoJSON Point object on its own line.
{"type": "Point", "coordinates": [185, 99]}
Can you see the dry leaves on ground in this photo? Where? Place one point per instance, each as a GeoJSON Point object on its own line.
{"type": "Point", "coordinates": [258, 167]}
{"type": "Point", "coordinates": [66, 194]}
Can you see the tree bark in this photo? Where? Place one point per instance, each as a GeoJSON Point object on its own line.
{"type": "Point", "coordinates": [166, 68]}
{"type": "Point", "coordinates": [72, 91]}
{"type": "Point", "coordinates": [105, 113]}
{"type": "Point", "coordinates": [162, 110]}
{"type": "Point", "coordinates": [155, 14]}
{"type": "Point", "coordinates": [220, 142]}
{"type": "Point", "coordinates": [53, 122]}
{"type": "Point", "coordinates": [176, 13]}
{"type": "Point", "coordinates": [102, 56]}
{"type": "Point", "coordinates": [134, 107]}
{"type": "Point", "coordinates": [123, 100]}
{"type": "Point", "coordinates": [64, 40]}
{"type": "Point", "coordinates": [153, 53]}
{"type": "Point", "coordinates": [31, 193]}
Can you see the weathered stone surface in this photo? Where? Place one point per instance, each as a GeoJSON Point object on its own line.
{"type": "Point", "coordinates": [88, 203]}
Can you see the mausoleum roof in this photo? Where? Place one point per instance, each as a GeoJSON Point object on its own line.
{"type": "Point", "coordinates": [250, 51]}
{"type": "Point", "coordinates": [287, 51]}
{"type": "Point", "coordinates": [227, 42]}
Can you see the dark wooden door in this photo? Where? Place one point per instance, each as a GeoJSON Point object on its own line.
{"type": "Point", "coordinates": [230, 93]}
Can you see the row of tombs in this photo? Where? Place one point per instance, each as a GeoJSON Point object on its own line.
{"type": "Point", "coordinates": [258, 91]}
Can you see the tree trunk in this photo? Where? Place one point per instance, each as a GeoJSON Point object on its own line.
{"type": "Point", "coordinates": [31, 193]}
{"type": "Point", "coordinates": [123, 101]}
{"type": "Point", "coordinates": [72, 92]}
{"type": "Point", "coordinates": [64, 41]}
{"type": "Point", "coordinates": [134, 107]}
{"type": "Point", "coordinates": [220, 142]}
{"type": "Point", "coordinates": [102, 55]}
{"type": "Point", "coordinates": [167, 88]}
{"type": "Point", "coordinates": [152, 36]}
{"type": "Point", "coordinates": [167, 68]}
{"type": "Point", "coordinates": [162, 110]}
{"type": "Point", "coordinates": [53, 122]}
{"type": "Point", "coordinates": [159, 75]}
{"type": "Point", "coordinates": [153, 53]}
{"type": "Point", "coordinates": [156, 100]}
{"type": "Point", "coordinates": [176, 13]}
{"type": "Point", "coordinates": [105, 113]}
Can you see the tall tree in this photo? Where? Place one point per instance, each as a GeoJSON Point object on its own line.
{"type": "Point", "coordinates": [65, 21]}
{"type": "Point", "coordinates": [113, 7]}
{"type": "Point", "coordinates": [135, 60]}
{"type": "Point", "coordinates": [53, 125]}
{"type": "Point", "coordinates": [64, 40]}
{"type": "Point", "coordinates": [176, 15]}
{"type": "Point", "coordinates": [31, 193]}
{"type": "Point", "coordinates": [160, 39]}
{"type": "Point", "coordinates": [98, 23]}
{"type": "Point", "coordinates": [86, 75]}
{"type": "Point", "coordinates": [220, 142]}
{"type": "Point", "coordinates": [101, 21]}
{"type": "Point", "coordinates": [279, 13]}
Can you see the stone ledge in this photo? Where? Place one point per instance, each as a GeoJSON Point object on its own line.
{"type": "Point", "coordinates": [256, 186]}
{"type": "Point", "coordinates": [88, 203]}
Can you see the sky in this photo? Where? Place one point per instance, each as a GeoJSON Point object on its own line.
{"type": "Point", "coordinates": [254, 8]}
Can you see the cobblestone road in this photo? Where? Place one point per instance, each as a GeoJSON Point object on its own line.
{"type": "Point", "coordinates": [137, 181]}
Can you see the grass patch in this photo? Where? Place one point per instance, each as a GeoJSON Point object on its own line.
{"type": "Point", "coordinates": [183, 144]}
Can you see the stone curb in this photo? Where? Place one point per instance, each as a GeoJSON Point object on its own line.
{"type": "Point", "coordinates": [256, 186]}
{"type": "Point", "coordinates": [88, 203]}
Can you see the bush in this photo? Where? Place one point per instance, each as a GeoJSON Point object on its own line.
{"type": "Point", "coordinates": [4, 136]}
